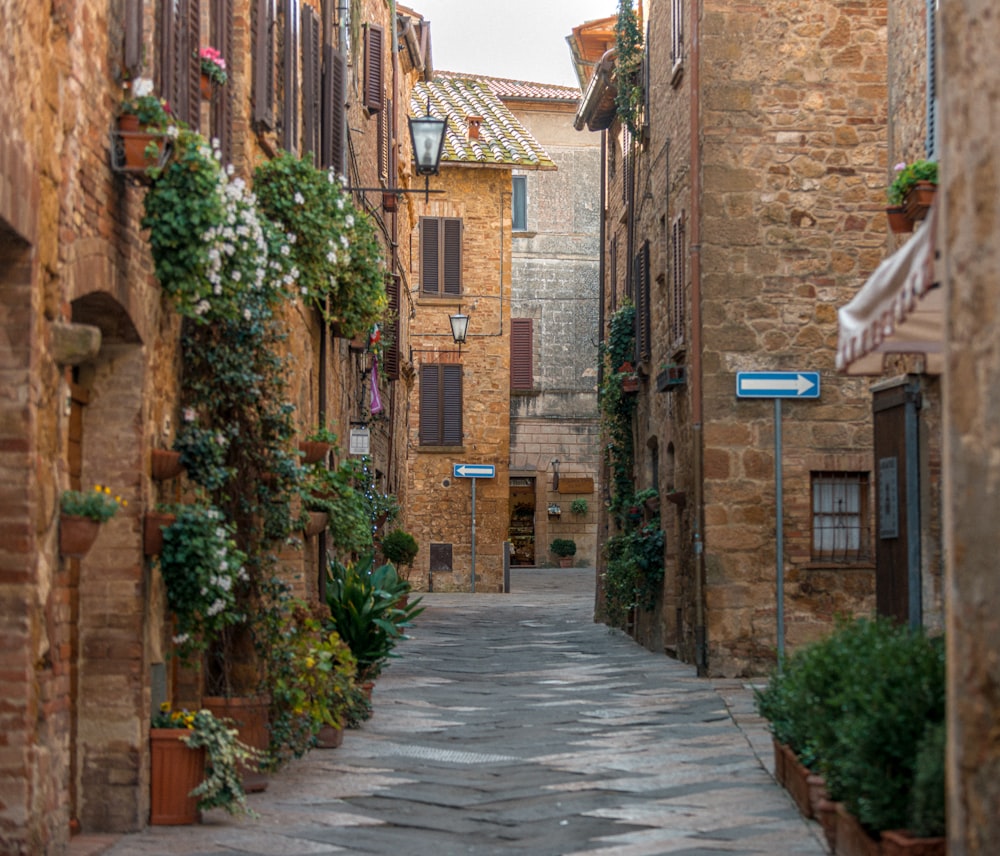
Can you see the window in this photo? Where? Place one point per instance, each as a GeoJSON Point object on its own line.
{"type": "Point", "coordinates": [521, 354]}
{"type": "Point", "coordinates": [334, 97]}
{"type": "Point", "coordinates": [840, 529]}
{"type": "Point", "coordinates": [519, 204]}
{"type": "Point", "coordinates": [441, 255]}
{"type": "Point", "coordinates": [180, 67]}
{"type": "Point", "coordinates": [290, 78]}
{"type": "Point", "coordinates": [221, 113]}
{"type": "Point", "coordinates": [676, 38]}
{"type": "Point", "coordinates": [440, 405]}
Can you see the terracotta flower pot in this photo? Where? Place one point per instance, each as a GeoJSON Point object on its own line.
{"type": "Point", "coordinates": [165, 464]}
{"type": "Point", "coordinates": [329, 737]}
{"type": "Point", "coordinates": [153, 524]}
{"type": "Point", "coordinates": [317, 523]}
{"type": "Point", "coordinates": [134, 142]}
{"type": "Point", "coordinates": [206, 87]}
{"type": "Point", "coordinates": [175, 770]}
{"type": "Point", "coordinates": [852, 838]}
{"type": "Point", "coordinates": [250, 713]}
{"type": "Point", "coordinates": [920, 199]}
{"type": "Point", "coordinates": [899, 842]}
{"type": "Point", "coordinates": [77, 535]}
{"type": "Point", "coordinates": [565, 561]}
{"type": "Point", "coordinates": [899, 222]}
{"type": "Point", "coordinates": [313, 450]}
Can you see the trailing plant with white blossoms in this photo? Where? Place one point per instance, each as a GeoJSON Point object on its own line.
{"type": "Point", "coordinates": [209, 244]}
{"type": "Point", "coordinates": [337, 258]}
{"type": "Point", "coordinates": [202, 569]}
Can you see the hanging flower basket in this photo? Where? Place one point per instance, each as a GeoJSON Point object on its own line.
{"type": "Point", "coordinates": [313, 451]}
{"type": "Point", "coordinates": [175, 770]}
{"type": "Point", "coordinates": [77, 535]}
{"type": "Point", "coordinates": [165, 464]}
{"type": "Point", "coordinates": [899, 222]}
{"type": "Point", "coordinates": [152, 531]}
{"type": "Point", "coordinates": [317, 523]}
{"type": "Point", "coordinates": [630, 384]}
{"type": "Point", "coordinates": [130, 152]}
{"type": "Point", "coordinates": [919, 200]}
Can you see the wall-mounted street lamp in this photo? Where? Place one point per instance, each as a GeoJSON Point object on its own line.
{"type": "Point", "coordinates": [459, 327]}
{"type": "Point", "coordinates": [555, 474]}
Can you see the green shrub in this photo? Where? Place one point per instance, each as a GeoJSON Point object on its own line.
{"type": "Point", "coordinates": [563, 547]}
{"type": "Point", "coordinates": [927, 813]}
{"type": "Point", "coordinates": [399, 547]}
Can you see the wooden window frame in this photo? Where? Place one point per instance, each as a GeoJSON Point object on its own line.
{"type": "Point", "coordinates": [643, 321]}
{"type": "Point", "coordinates": [519, 203]}
{"type": "Point", "coordinates": [180, 66]}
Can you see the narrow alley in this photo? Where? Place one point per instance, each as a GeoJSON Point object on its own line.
{"type": "Point", "coordinates": [515, 724]}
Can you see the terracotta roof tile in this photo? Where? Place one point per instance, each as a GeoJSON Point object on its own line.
{"type": "Point", "coordinates": [514, 90]}
{"type": "Point", "coordinates": [503, 140]}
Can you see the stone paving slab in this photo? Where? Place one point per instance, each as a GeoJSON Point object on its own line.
{"type": "Point", "coordinates": [515, 724]}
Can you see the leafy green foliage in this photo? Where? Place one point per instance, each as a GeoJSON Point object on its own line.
{"type": "Point", "coordinates": [578, 506]}
{"type": "Point", "coordinates": [563, 547]}
{"type": "Point", "coordinates": [399, 547]}
{"type": "Point", "coordinates": [618, 408]}
{"type": "Point", "coordinates": [98, 504]}
{"type": "Point", "coordinates": [203, 454]}
{"type": "Point", "coordinates": [856, 705]}
{"type": "Point", "coordinates": [367, 612]}
{"type": "Point", "coordinates": [633, 576]}
{"type": "Point", "coordinates": [224, 753]}
{"type": "Point", "coordinates": [628, 83]}
{"type": "Point", "coordinates": [927, 807]}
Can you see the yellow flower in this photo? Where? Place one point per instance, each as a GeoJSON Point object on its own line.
{"type": "Point", "coordinates": [164, 706]}
{"type": "Point", "coordinates": [310, 662]}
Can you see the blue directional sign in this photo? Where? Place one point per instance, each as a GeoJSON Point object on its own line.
{"type": "Point", "coordinates": [777, 385]}
{"type": "Point", "coordinates": [473, 471]}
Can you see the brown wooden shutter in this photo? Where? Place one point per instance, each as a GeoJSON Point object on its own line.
{"type": "Point", "coordinates": [311, 84]}
{"type": "Point", "coordinates": [384, 140]}
{"type": "Point", "coordinates": [451, 406]}
{"type": "Point", "coordinates": [642, 297]}
{"type": "Point", "coordinates": [430, 255]}
{"type": "Point", "coordinates": [452, 256]}
{"type": "Point", "coordinates": [390, 358]}
{"type": "Point", "coordinates": [334, 101]}
{"type": "Point", "coordinates": [133, 38]}
{"type": "Point", "coordinates": [521, 353]}
{"type": "Point", "coordinates": [263, 74]}
{"type": "Point", "coordinates": [290, 78]}
{"type": "Point", "coordinates": [191, 63]}
{"type": "Point", "coordinates": [430, 396]}
{"type": "Point", "coordinates": [373, 68]}
{"type": "Point", "coordinates": [222, 103]}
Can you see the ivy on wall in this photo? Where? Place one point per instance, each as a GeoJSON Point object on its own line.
{"type": "Point", "coordinates": [628, 67]}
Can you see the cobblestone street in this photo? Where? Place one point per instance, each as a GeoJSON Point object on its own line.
{"type": "Point", "coordinates": [515, 724]}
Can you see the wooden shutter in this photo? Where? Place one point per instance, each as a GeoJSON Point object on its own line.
{"type": "Point", "coordinates": [290, 78]}
{"type": "Point", "coordinates": [191, 64]}
{"type": "Point", "coordinates": [678, 276]}
{"type": "Point", "coordinates": [521, 353]}
{"type": "Point", "coordinates": [334, 101]}
{"type": "Point", "coordinates": [452, 256]}
{"type": "Point", "coordinates": [430, 255]}
{"type": "Point", "coordinates": [451, 406]}
{"type": "Point", "coordinates": [642, 300]}
{"type": "Point", "coordinates": [180, 67]}
{"type": "Point", "coordinates": [311, 84]}
{"type": "Point", "coordinates": [390, 357]}
{"type": "Point", "coordinates": [373, 68]}
{"type": "Point", "coordinates": [430, 397]}
{"type": "Point", "coordinates": [385, 140]}
{"type": "Point", "coordinates": [133, 37]}
{"type": "Point", "coordinates": [222, 103]}
{"type": "Point", "coordinates": [440, 420]}
{"type": "Point", "coordinates": [263, 67]}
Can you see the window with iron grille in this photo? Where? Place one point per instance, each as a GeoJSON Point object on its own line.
{"type": "Point", "coordinates": [519, 203]}
{"type": "Point", "coordinates": [441, 255]}
{"type": "Point", "coordinates": [840, 517]}
{"type": "Point", "coordinates": [440, 405]}
{"type": "Point", "coordinates": [678, 275]}
{"type": "Point", "coordinates": [676, 35]}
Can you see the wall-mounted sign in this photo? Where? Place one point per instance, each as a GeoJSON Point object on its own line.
{"type": "Point", "coordinates": [361, 441]}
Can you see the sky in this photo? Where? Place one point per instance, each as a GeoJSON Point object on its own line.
{"type": "Point", "coordinates": [519, 39]}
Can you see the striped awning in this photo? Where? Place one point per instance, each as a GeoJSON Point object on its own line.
{"type": "Point", "coordinates": [899, 310]}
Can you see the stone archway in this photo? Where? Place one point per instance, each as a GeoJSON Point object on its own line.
{"type": "Point", "coordinates": [109, 695]}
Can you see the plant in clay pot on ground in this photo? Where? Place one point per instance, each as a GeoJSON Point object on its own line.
{"type": "Point", "coordinates": [565, 549]}
{"type": "Point", "coordinates": [400, 548]}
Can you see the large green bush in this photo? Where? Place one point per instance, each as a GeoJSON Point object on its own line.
{"type": "Point", "coordinates": [855, 706]}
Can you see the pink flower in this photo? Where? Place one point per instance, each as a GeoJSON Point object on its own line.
{"type": "Point", "coordinates": [900, 166]}
{"type": "Point", "coordinates": [213, 56]}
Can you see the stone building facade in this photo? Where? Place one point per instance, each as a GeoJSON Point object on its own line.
{"type": "Point", "coordinates": [89, 354]}
{"type": "Point", "coordinates": [745, 208]}
{"type": "Point", "coordinates": [460, 404]}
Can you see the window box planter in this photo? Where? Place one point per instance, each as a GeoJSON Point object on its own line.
{"type": "Point", "coordinates": [77, 535]}
{"type": "Point", "coordinates": [129, 144]}
{"type": "Point", "coordinates": [165, 464]}
{"type": "Point", "coordinates": [919, 200]}
{"type": "Point", "coordinates": [899, 842]}
{"type": "Point", "coordinates": [175, 770]}
{"type": "Point", "coordinates": [630, 384]}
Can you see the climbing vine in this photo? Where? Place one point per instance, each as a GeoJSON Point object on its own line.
{"type": "Point", "coordinates": [628, 66]}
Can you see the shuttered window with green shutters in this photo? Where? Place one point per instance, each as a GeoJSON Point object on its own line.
{"type": "Point", "coordinates": [441, 255]}
{"type": "Point", "coordinates": [440, 405]}
{"type": "Point", "coordinates": [521, 354]}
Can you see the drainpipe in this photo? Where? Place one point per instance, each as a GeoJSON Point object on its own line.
{"type": "Point", "coordinates": [697, 415]}
{"type": "Point", "coordinates": [394, 232]}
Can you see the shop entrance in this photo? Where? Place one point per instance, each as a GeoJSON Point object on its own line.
{"type": "Point", "coordinates": [521, 531]}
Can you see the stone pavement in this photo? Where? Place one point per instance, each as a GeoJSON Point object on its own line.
{"type": "Point", "coordinates": [515, 724]}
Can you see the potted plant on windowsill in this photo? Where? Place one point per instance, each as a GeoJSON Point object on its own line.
{"type": "Point", "coordinates": [911, 193]}
{"type": "Point", "coordinates": [213, 70]}
{"type": "Point", "coordinates": [81, 516]}
{"type": "Point", "coordinates": [144, 129]}
{"type": "Point", "coordinates": [565, 549]}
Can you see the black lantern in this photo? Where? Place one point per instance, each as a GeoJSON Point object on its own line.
{"type": "Point", "coordinates": [459, 327]}
{"type": "Point", "coordinates": [427, 139]}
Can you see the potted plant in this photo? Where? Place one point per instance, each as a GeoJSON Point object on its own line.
{"type": "Point", "coordinates": [213, 70]}
{"type": "Point", "coordinates": [214, 769]}
{"type": "Point", "coordinates": [565, 549]}
{"type": "Point", "coordinates": [911, 191]}
{"type": "Point", "coordinates": [578, 506]}
{"type": "Point", "coordinates": [400, 548]}
{"type": "Point", "coordinates": [143, 123]}
{"type": "Point", "coordinates": [81, 516]}
{"type": "Point", "coordinates": [316, 445]}
{"type": "Point", "coordinates": [165, 464]}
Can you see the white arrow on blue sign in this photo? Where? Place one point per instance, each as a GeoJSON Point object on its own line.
{"type": "Point", "coordinates": [777, 385]}
{"type": "Point", "coordinates": [473, 471]}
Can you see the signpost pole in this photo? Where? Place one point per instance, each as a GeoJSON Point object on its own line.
{"type": "Point", "coordinates": [473, 571]}
{"type": "Point", "coordinates": [780, 534]}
